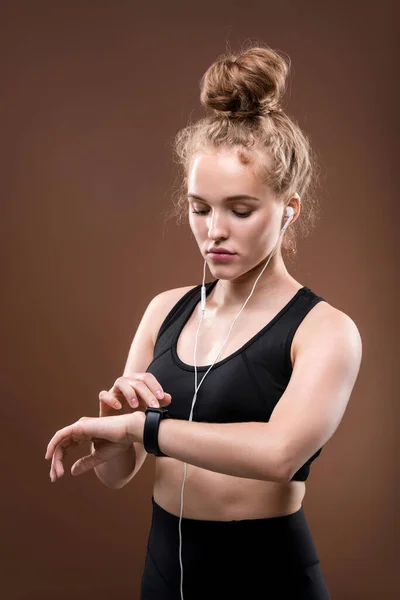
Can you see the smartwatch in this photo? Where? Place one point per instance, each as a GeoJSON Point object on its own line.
{"type": "Point", "coordinates": [150, 431]}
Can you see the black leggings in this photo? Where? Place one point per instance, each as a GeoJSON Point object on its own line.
{"type": "Point", "coordinates": [272, 558]}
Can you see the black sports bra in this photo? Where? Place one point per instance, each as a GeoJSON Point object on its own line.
{"type": "Point", "coordinates": [246, 385]}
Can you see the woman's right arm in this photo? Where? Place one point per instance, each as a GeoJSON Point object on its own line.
{"type": "Point", "coordinates": [118, 472]}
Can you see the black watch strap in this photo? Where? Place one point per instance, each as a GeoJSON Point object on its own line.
{"type": "Point", "coordinates": [150, 432]}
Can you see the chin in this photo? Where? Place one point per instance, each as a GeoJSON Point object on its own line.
{"type": "Point", "coordinates": [225, 271]}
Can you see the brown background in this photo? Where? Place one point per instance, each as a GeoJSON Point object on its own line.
{"type": "Point", "coordinates": [92, 95]}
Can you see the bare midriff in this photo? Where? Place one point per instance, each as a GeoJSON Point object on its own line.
{"type": "Point", "coordinates": [216, 496]}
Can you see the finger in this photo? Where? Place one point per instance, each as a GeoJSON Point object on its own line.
{"type": "Point", "coordinates": [57, 462]}
{"type": "Point", "coordinates": [128, 390]}
{"type": "Point", "coordinates": [53, 475]}
{"type": "Point", "coordinates": [151, 382]}
{"type": "Point", "coordinates": [109, 399]}
{"type": "Point", "coordinates": [84, 464]}
{"type": "Point", "coordinates": [57, 466]}
{"type": "Point", "coordinates": [166, 400]}
{"type": "Point", "coordinates": [56, 469]}
{"type": "Point", "coordinates": [146, 396]}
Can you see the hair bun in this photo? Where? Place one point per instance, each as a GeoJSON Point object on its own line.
{"type": "Point", "coordinates": [245, 85]}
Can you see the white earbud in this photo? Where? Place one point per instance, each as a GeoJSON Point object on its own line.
{"type": "Point", "coordinates": [289, 212]}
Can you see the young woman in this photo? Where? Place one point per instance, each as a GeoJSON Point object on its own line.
{"type": "Point", "coordinates": [276, 362]}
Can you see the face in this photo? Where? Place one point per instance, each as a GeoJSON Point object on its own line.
{"type": "Point", "coordinates": [220, 215]}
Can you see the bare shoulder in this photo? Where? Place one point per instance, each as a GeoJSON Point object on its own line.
{"type": "Point", "coordinates": [163, 303]}
{"type": "Point", "coordinates": [325, 324]}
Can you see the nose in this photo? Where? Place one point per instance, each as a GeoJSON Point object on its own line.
{"type": "Point", "coordinates": [216, 226]}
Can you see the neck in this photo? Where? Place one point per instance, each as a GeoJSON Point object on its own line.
{"type": "Point", "coordinates": [233, 293]}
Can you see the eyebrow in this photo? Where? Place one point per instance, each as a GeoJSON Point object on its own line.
{"type": "Point", "coordinates": [228, 198]}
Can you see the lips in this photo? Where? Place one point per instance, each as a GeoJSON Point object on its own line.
{"type": "Point", "coordinates": [219, 250]}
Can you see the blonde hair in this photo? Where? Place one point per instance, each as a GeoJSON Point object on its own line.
{"type": "Point", "coordinates": [244, 92]}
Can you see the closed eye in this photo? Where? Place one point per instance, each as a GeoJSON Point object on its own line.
{"type": "Point", "coordinates": [238, 214]}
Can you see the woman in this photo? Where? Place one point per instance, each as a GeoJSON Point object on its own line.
{"type": "Point", "coordinates": [232, 461]}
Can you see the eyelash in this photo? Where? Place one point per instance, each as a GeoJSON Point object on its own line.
{"type": "Point", "coordinates": [238, 214]}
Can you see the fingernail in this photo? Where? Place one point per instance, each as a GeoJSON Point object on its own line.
{"type": "Point", "coordinates": [160, 394]}
{"type": "Point", "coordinates": [155, 404]}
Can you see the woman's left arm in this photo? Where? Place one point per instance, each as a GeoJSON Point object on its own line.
{"type": "Point", "coordinates": [325, 369]}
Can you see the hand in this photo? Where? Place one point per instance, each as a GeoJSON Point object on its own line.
{"type": "Point", "coordinates": [137, 392]}
{"type": "Point", "coordinates": [111, 436]}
